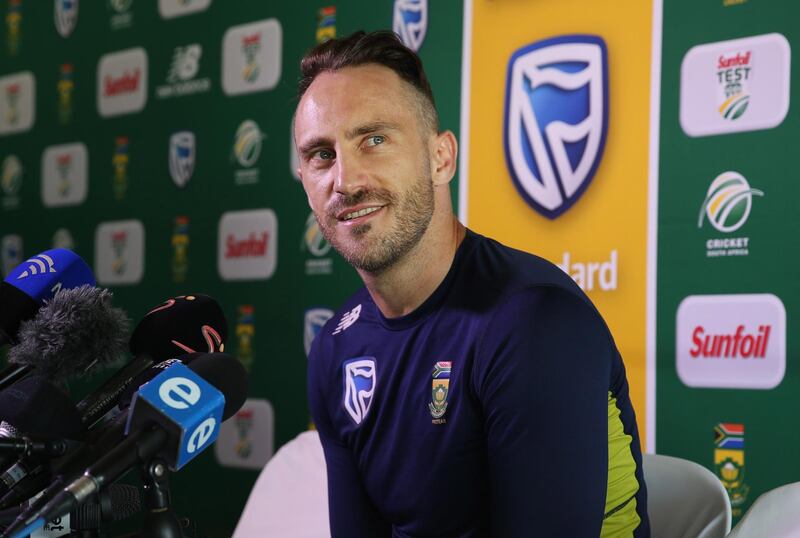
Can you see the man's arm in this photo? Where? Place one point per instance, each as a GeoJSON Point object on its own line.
{"type": "Point", "coordinates": [350, 511]}
{"type": "Point", "coordinates": [544, 391]}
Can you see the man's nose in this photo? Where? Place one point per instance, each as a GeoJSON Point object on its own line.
{"type": "Point", "coordinates": [350, 176]}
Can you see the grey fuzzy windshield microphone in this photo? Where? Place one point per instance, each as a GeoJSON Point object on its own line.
{"type": "Point", "coordinates": [74, 331]}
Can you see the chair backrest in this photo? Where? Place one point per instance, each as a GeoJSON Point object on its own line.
{"type": "Point", "coordinates": [684, 499]}
{"type": "Point", "coordinates": [774, 514]}
{"type": "Point", "coordinates": [290, 497]}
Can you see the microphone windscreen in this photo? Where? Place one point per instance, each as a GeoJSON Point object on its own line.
{"type": "Point", "coordinates": [185, 324]}
{"type": "Point", "coordinates": [227, 375]}
{"type": "Point", "coordinates": [39, 408]}
{"type": "Point", "coordinates": [72, 332]}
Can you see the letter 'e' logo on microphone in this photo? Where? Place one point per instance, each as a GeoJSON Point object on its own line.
{"type": "Point", "coordinates": [179, 393]}
{"type": "Point", "coordinates": [201, 435]}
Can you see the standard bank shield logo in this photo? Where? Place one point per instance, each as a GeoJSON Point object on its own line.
{"type": "Point", "coordinates": [66, 16]}
{"type": "Point", "coordinates": [359, 387]}
{"type": "Point", "coordinates": [181, 157]}
{"type": "Point", "coordinates": [556, 116]}
{"type": "Point", "coordinates": [410, 22]}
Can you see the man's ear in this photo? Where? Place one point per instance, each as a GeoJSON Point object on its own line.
{"type": "Point", "coordinates": [444, 157]}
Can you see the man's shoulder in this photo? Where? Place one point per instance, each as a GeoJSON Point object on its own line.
{"type": "Point", "coordinates": [356, 308]}
{"type": "Point", "coordinates": [507, 271]}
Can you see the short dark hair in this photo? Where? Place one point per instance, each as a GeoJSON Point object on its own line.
{"type": "Point", "coordinates": [383, 48]}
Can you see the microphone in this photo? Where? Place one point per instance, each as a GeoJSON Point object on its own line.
{"type": "Point", "coordinates": [179, 325]}
{"type": "Point", "coordinates": [74, 331]}
{"type": "Point", "coordinates": [35, 281]}
{"type": "Point", "coordinates": [175, 417]}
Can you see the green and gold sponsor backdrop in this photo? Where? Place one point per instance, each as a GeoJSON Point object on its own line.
{"type": "Point", "coordinates": [727, 144]}
{"type": "Point", "coordinates": [129, 178]}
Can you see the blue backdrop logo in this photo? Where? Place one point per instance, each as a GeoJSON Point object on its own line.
{"type": "Point", "coordinates": [556, 117]}
{"type": "Point", "coordinates": [410, 22]}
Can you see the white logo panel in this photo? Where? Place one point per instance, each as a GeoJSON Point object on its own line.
{"type": "Point", "coordinates": [251, 57]}
{"type": "Point", "coordinates": [734, 86]}
{"type": "Point", "coordinates": [247, 245]}
{"type": "Point", "coordinates": [119, 252]}
{"type": "Point", "coordinates": [122, 82]}
{"type": "Point", "coordinates": [731, 341]}
{"type": "Point", "coordinates": [247, 440]}
{"type": "Point", "coordinates": [169, 9]}
{"type": "Point", "coordinates": [65, 175]}
{"type": "Point", "coordinates": [17, 102]}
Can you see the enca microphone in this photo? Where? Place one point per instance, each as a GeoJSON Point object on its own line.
{"type": "Point", "coordinates": [35, 281]}
{"type": "Point", "coordinates": [175, 417]}
{"type": "Point", "coordinates": [101, 438]}
{"type": "Point", "coordinates": [179, 325]}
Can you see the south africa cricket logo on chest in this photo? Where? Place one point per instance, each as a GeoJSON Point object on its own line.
{"type": "Point", "coordinates": [439, 391]}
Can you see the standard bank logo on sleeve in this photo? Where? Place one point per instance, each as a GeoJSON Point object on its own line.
{"type": "Point", "coordinates": [736, 85]}
{"type": "Point", "coordinates": [556, 117]}
{"type": "Point", "coordinates": [359, 387]}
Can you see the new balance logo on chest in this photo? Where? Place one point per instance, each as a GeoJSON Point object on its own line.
{"type": "Point", "coordinates": [348, 319]}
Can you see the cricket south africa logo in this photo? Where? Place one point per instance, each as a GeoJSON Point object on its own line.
{"type": "Point", "coordinates": [728, 202]}
{"type": "Point", "coordinates": [410, 22]}
{"type": "Point", "coordinates": [556, 118]}
{"type": "Point", "coordinates": [359, 387]}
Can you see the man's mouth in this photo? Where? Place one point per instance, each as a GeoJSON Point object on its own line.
{"type": "Point", "coordinates": [350, 215]}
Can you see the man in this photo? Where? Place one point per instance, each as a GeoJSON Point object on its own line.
{"type": "Point", "coordinates": [468, 389]}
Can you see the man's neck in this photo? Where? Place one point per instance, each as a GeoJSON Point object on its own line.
{"type": "Point", "coordinates": [403, 287]}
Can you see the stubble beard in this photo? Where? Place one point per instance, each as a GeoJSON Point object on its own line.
{"type": "Point", "coordinates": [413, 213]}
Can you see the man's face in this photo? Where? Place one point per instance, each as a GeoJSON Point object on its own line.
{"type": "Point", "coordinates": [365, 164]}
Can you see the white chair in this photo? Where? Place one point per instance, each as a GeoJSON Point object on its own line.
{"type": "Point", "coordinates": [290, 497]}
{"type": "Point", "coordinates": [775, 514]}
{"type": "Point", "coordinates": [684, 499]}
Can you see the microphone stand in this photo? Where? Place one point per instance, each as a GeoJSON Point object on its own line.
{"type": "Point", "coordinates": [159, 520]}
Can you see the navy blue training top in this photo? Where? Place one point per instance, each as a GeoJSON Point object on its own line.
{"type": "Point", "coordinates": [497, 408]}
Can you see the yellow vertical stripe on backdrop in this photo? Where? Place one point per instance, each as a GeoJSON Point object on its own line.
{"type": "Point", "coordinates": [612, 212]}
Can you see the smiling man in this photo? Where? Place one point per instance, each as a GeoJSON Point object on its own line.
{"type": "Point", "coordinates": [468, 389]}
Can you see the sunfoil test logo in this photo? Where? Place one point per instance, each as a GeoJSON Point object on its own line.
{"type": "Point", "coordinates": [727, 207]}
{"type": "Point", "coordinates": [556, 118]}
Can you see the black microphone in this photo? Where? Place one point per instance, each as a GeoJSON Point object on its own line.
{"type": "Point", "coordinates": [35, 281]}
{"type": "Point", "coordinates": [177, 326]}
{"type": "Point", "coordinates": [75, 331]}
{"type": "Point", "coordinates": [179, 436]}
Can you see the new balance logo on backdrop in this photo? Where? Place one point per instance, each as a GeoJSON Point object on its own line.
{"type": "Point", "coordinates": [556, 118]}
{"type": "Point", "coordinates": [169, 9]}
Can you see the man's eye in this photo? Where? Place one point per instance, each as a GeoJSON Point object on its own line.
{"type": "Point", "coordinates": [375, 140]}
{"type": "Point", "coordinates": [324, 154]}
